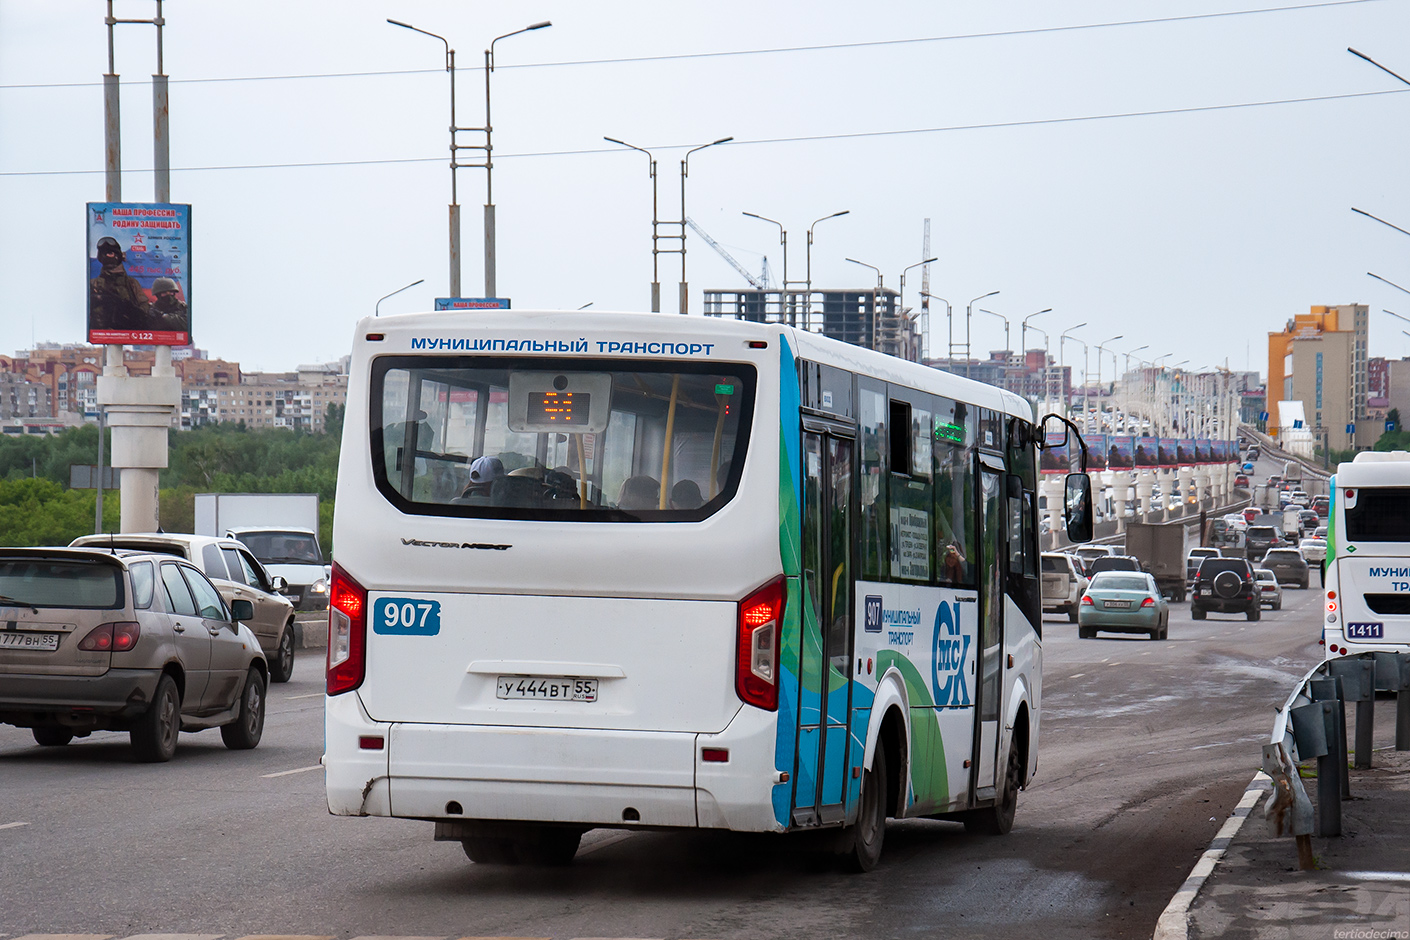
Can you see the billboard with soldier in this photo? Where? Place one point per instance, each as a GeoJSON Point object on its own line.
{"type": "Point", "coordinates": [139, 273]}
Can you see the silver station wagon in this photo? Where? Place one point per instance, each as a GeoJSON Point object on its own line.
{"type": "Point", "coordinates": [95, 640]}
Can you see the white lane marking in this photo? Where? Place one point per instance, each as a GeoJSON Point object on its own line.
{"type": "Point", "coordinates": [1077, 676]}
{"type": "Point", "coordinates": [14, 825]}
{"type": "Point", "coordinates": [1104, 660]}
{"type": "Point", "coordinates": [1377, 875]}
{"type": "Point", "coordinates": [1117, 663]}
{"type": "Point", "coordinates": [1146, 653]}
{"type": "Point", "coordinates": [285, 773]}
{"type": "Point", "coordinates": [308, 695]}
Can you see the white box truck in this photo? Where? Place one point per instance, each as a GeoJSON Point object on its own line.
{"type": "Point", "coordinates": [281, 530]}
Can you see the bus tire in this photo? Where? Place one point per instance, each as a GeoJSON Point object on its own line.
{"type": "Point", "coordinates": [483, 850]}
{"type": "Point", "coordinates": [551, 846]}
{"type": "Point", "coordinates": [869, 831]}
{"type": "Point", "coordinates": [997, 820]}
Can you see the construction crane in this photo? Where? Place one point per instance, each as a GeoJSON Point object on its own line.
{"type": "Point", "coordinates": [758, 283]}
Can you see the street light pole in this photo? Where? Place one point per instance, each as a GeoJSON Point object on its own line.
{"type": "Point", "coordinates": [949, 324]}
{"type": "Point", "coordinates": [655, 225]}
{"type": "Point", "coordinates": [1101, 348]}
{"type": "Point", "coordinates": [901, 301]}
{"type": "Point", "coordinates": [490, 285]}
{"type": "Point", "coordinates": [455, 163]}
{"type": "Point", "coordinates": [1062, 365]}
{"type": "Point", "coordinates": [1008, 353]}
{"type": "Point", "coordinates": [377, 308]}
{"type": "Point", "coordinates": [1023, 330]}
{"type": "Point", "coordinates": [968, 315]}
{"type": "Point", "coordinates": [871, 342]}
{"type": "Point", "coordinates": [808, 273]}
{"type": "Point", "coordinates": [685, 172]}
{"type": "Point", "coordinates": [783, 240]}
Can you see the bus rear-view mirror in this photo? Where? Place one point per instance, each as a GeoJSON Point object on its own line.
{"type": "Point", "coordinates": [1077, 507]}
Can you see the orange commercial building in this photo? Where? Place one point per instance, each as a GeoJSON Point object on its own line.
{"type": "Point", "coordinates": [1327, 373]}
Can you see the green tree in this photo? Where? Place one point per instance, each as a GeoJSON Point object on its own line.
{"type": "Point", "coordinates": [42, 512]}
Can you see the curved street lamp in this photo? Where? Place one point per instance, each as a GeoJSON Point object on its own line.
{"type": "Point", "coordinates": [685, 171]}
{"type": "Point", "coordinates": [377, 308]}
{"type": "Point", "coordinates": [968, 315]}
{"type": "Point", "coordinates": [655, 224]}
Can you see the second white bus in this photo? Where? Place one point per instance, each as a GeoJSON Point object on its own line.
{"type": "Point", "coordinates": [1367, 574]}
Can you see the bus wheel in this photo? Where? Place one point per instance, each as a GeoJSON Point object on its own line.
{"type": "Point", "coordinates": [547, 845]}
{"type": "Point", "coordinates": [997, 820]}
{"type": "Point", "coordinates": [486, 851]}
{"type": "Point", "coordinates": [870, 829]}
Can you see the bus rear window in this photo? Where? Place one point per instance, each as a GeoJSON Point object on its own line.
{"type": "Point", "coordinates": [1379, 514]}
{"type": "Point", "coordinates": [575, 440]}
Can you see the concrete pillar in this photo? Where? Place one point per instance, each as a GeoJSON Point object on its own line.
{"type": "Point", "coordinates": [1053, 489]}
{"type": "Point", "coordinates": [139, 412]}
{"type": "Point", "coordinates": [1143, 493]}
{"type": "Point", "coordinates": [1120, 493]}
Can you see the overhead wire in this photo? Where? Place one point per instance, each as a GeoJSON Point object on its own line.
{"type": "Point", "coordinates": [778, 50]}
{"type": "Point", "coordinates": [803, 138]}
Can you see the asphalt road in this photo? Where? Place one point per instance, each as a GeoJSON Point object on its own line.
{"type": "Point", "coordinates": [1145, 748]}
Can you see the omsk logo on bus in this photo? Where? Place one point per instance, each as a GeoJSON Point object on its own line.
{"type": "Point", "coordinates": [406, 616]}
{"type": "Point", "coordinates": [872, 612]}
{"type": "Point", "coordinates": [951, 651]}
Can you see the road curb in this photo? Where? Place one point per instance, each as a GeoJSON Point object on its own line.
{"type": "Point", "coordinates": [1174, 922]}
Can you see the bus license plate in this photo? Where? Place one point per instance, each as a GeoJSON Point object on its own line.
{"type": "Point", "coordinates": [47, 642]}
{"type": "Point", "coordinates": [547, 688]}
{"type": "Point", "coordinates": [1365, 631]}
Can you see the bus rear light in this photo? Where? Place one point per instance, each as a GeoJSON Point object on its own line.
{"type": "Point", "coordinates": [756, 645]}
{"type": "Point", "coordinates": [371, 742]}
{"type": "Point", "coordinates": [1331, 595]}
{"type": "Point", "coordinates": [715, 755]}
{"type": "Point", "coordinates": [1331, 605]}
{"type": "Point", "coordinates": [347, 633]}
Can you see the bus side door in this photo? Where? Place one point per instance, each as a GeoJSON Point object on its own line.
{"type": "Point", "coordinates": [825, 650]}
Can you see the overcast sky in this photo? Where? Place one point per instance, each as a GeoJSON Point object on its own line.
{"type": "Point", "coordinates": [1013, 127]}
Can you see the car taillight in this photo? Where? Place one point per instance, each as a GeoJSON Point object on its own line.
{"type": "Point", "coordinates": [1148, 602]}
{"type": "Point", "coordinates": [112, 637]}
{"type": "Point", "coordinates": [347, 633]}
{"type": "Point", "coordinates": [1087, 599]}
{"type": "Point", "coordinates": [756, 645]}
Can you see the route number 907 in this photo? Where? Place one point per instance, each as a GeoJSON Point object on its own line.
{"type": "Point", "coordinates": [406, 616]}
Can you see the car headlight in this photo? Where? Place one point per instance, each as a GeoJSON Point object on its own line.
{"type": "Point", "coordinates": [319, 587]}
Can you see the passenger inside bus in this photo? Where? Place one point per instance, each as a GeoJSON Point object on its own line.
{"type": "Point", "coordinates": [639, 492]}
{"type": "Point", "coordinates": [686, 495]}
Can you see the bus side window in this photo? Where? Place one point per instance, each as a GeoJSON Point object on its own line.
{"type": "Point", "coordinates": [955, 491]}
{"type": "Point", "coordinates": [910, 505]}
{"type": "Point", "coordinates": [871, 490]}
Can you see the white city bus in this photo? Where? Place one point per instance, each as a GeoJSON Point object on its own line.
{"type": "Point", "coordinates": [635, 570]}
{"type": "Point", "coordinates": [1367, 575]}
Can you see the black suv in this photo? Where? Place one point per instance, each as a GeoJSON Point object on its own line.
{"type": "Point", "coordinates": [1259, 538]}
{"type": "Point", "coordinates": [1225, 586]}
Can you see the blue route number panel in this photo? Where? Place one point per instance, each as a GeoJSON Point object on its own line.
{"type": "Point", "coordinates": [406, 616]}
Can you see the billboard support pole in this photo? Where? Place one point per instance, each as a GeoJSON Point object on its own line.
{"type": "Point", "coordinates": [98, 508]}
{"type": "Point", "coordinates": [138, 408]}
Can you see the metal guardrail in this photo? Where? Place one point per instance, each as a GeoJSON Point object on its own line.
{"type": "Point", "coordinates": [1312, 724]}
{"type": "Point", "coordinates": [1268, 443]}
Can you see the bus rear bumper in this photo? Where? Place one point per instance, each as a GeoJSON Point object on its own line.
{"type": "Point", "coordinates": [556, 775]}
